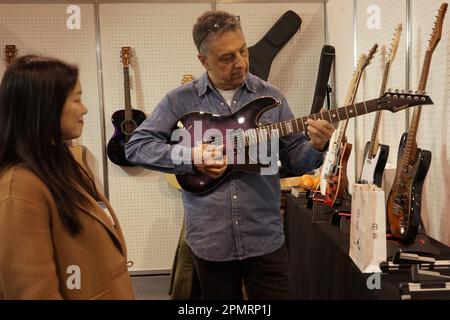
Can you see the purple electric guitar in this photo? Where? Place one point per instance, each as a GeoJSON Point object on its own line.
{"type": "Point", "coordinates": [241, 130]}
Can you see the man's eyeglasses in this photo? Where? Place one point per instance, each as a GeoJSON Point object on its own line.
{"type": "Point", "coordinates": [219, 27]}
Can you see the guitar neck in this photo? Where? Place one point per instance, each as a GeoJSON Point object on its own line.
{"type": "Point", "coordinates": [373, 144]}
{"type": "Point", "coordinates": [126, 84]}
{"type": "Point", "coordinates": [299, 125]}
{"type": "Point", "coordinates": [410, 149]}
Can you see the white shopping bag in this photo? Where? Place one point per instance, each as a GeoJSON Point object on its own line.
{"type": "Point", "coordinates": [368, 227]}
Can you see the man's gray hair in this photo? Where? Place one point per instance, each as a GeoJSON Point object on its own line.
{"type": "Point", "coordinates": [211, 24]}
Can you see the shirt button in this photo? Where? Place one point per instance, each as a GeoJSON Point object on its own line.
{"type": "Point", "coordinates": [234, 197]}
{"type": "Point", "coordinates": [221, 103]}
{"type": "Point", "coordinates": [234, 101]}
{"type": "Point", "coordinates": [237, 222]}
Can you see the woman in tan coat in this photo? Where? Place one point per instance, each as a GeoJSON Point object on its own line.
{"type": "Point", "coordinates": [59, 237]}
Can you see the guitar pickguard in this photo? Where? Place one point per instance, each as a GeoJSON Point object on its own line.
{"type": "Point", "coordinates": [373, 168]}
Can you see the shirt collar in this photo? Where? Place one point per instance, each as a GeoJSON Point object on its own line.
{"type": "Point", "coordinates": [204, 83]}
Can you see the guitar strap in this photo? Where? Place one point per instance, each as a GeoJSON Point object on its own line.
{"type": "Point", "coordinates": [264, 51]}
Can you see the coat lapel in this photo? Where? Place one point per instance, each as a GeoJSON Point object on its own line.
{"type": "Point", "coordinates": [97, 213]}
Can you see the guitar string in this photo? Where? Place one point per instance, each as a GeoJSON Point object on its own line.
{"type": "Point", "coordinates": [262, 134]}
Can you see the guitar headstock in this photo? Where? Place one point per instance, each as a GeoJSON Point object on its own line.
{"type": "Point", "coordinates": [370, 55]}
{"type": "Point", "coordinates": [437, 30]}
{"type": "Point", "coordinates": [399, 100]}
{"type": "Point", "coordinates": [10, 53]}
{"type": "Point", "coordinates": [395, 43]}
{"type": "Point", "coordinates": [126, 55]}
{"type": "Point", "coordinates": [187, 78]}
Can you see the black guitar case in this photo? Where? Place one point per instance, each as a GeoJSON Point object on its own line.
{"type": "Point", "coordinates": [264, 51]}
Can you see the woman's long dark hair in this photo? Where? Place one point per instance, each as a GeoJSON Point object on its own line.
{"type": "Point", "coordinates": [33, 92]}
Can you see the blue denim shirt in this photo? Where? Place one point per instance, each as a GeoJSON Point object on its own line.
{"type": "Point", "coordinates": [241, 218]}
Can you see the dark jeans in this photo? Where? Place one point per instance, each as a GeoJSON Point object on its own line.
{"type": "Point", "coordinates": [267, 277]}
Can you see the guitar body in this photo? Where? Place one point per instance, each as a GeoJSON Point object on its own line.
{"type": "Point", "coordinates": [373, 168]}
{"type": "Point", "coordinates": [116, 145]}
{"type": "Point", "coordinates": [245, 118]}
{"type": "Point", "coordinates": [328, 163]}
{"type": "Point", "coordinates": [405, 199]}
{"type": "Point", "coordinates": [337, 183]}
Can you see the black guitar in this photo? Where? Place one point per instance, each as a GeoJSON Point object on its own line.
{"type": "Point", "coordinates": [124, 121]}
{"type": "Point", "coordinates": [242, 130]}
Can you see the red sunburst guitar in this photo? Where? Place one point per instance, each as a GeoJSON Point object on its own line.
{"type": "Point", "coordinates": [404, 201]}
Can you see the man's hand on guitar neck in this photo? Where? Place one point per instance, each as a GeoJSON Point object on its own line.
{"type": "Point", "coordinates": [319, 133]}
{"type": "Point", "coordinates": [209, 159]}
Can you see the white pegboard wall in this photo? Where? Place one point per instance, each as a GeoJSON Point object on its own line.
{"type": "Point", "coordinates": [160, 36]}
{"type": "Point", "coordinates": [41, 29]}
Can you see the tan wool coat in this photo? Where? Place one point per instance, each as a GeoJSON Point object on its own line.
{"type": "Point", "coordinates": [40, 259]}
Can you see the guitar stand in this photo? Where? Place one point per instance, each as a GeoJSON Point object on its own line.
{"type": "Point", "coordinates": [430, 283]}
{"type": "Point", "coordinates": [403, 262]}
{"type": "Point", "coordinates": [421, 245]}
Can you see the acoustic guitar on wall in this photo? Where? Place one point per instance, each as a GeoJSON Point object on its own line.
{"type": "Point", "coordinates": [125, 121]}
{"type": "Point", "coordinates": [10, 54]}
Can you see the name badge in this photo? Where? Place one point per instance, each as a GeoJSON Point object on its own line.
{"type": "Point", "coordinates": [106, 210]}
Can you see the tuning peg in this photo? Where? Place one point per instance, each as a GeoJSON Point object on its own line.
{"type": "Point", "coordinates": [389, 90]}
{"type": "Point", "coordinates": [403, 91]}
{"type": "Point", "coordinates": [424, 92]}
{"type": "Point", "coordinates": [396, 91]}
{"type": "Point", "coordinates": [416, 92]}
{"type": "Point", "coordinates": [410, 91]}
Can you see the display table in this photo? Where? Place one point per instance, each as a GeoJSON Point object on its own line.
{"type": "Point", "coordinates": [321, 266]}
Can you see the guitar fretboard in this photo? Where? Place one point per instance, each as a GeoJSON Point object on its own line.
{"type": "Point", "coordinates": [126, 84]}
{"type": "Point", "coordinates": [267, 132]}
